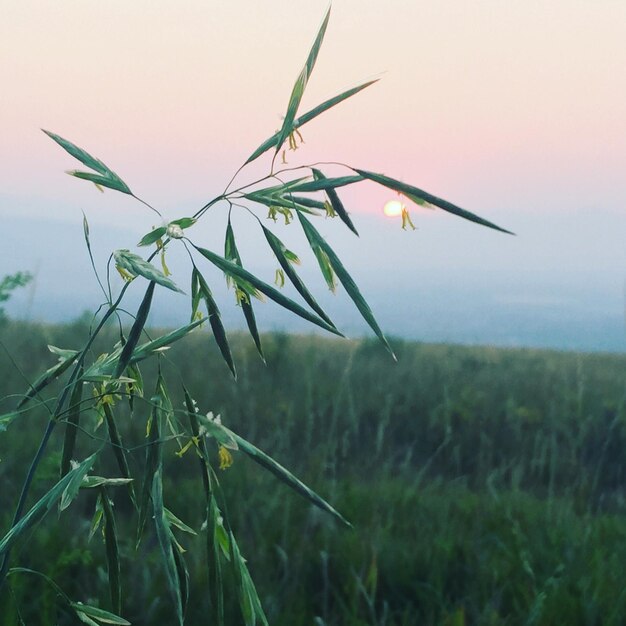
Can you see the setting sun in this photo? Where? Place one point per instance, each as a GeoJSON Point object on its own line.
{"type": "Point", "coordinates": [393, 208]}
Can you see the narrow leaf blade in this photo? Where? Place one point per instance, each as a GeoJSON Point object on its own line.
{"type": "Point", "coordinates": [307, 117]}
{"type": "Point", "coordinates": [285, 475]}
{"type": "Point", "coordinates": [301, 82]}
{"type": "Point", "coordinates": [336, 203]}
{"type": "Point", "coordinates": [316, 240]}
{"type": "Point", "coordinates": [278, 248]}
{"type": "Point", "coordinates": [137, 266]}
{"type": "Point", "coordinates": [236, 271]}
{"type": "Point", "coordinates": [414, 192]}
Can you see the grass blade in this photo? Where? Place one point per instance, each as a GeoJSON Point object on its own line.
{"type": "Point", "coordinates": [195, 430]}
{"type": "Point", "coordinates": [232, 254]}
{"type": "Point", "coordinates": [301, 82]}
{"type": "Point", "coordinates": [419, 196]}
{"type": "Point", "coordinates": [317, 241]}
{"type": "Point", "coordinates": [49, 376]}
{"type": "Point", "coordinates": [249, 602]}
{"type": "Point", "coordinates": [279, 250]}
{"type": "Point", "coordinates": [105, 177]}
{"type": "Point", "coordinates": [147, 349]}
{"type": "Point", "coordinates": [165, 543]}
{"type": "Point", "coordinates": [235, 271]}
{"type": "Point", "coordinates": [78, 153]}
{"type": "Point", "coordinates": [46, 502]}
{"type": "Point", "coordinates": [153, 236]}
{"type": "Point", "coordinates": [112, 551]}
{"type": "Point", "coordinates": [100, 615]}
{"type": "Point", "coordinates": [101, 181]}
{"type": "Point", "coordinates": [71, 428]}
{"type": "Point", "coordinates": [285, 476]}
{"type": "Point", "coordinates": [153, 454]}
{"type": "Point", "coordinates": [134, 264]}
{"type": "Point", "coordinates": [336, 203]}
{"type": "Point", "coordinates": [135, 331]}
{"type": "Point", "coordinates": [307, 117]}
{"type": "Point", "coordinates": [324, 184]}
{"type": "Point", "coordinates": [224, 435]}
{"type": "Point", "coordinates": [215, 320]}
{"type": "Point", "coordinates": [116, 443]}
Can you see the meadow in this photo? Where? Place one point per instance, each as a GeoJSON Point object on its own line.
{"type": "Point", "coordinates": [485, 485]}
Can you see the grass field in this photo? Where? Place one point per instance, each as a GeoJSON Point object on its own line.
{"type": "Point", "coordinates": [485, 486]}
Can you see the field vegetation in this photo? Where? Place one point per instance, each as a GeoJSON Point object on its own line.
{"type": "Point", "coordinates": [485, 486]}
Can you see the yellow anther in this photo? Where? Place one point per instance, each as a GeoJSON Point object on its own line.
{"type": "Point", "coordinates": [280, 278]}
{"type": "Point", "coordinates": [225, 458]}
{"type": "Point", "coordinates": [406, 219]}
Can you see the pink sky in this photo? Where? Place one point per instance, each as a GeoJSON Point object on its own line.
{"type": "Point", "coordinates": [499, 106]}
{"type": "Point", "coordinates": [513, 110]}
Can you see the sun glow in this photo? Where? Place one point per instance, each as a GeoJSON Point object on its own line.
{"type": "Point", "coordinates": [393, 208]}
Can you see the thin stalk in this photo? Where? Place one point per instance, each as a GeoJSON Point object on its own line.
{"type": "Point", "coordinates": [49, 430]}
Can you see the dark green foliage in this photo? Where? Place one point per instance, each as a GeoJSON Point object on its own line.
{"type": "Point", "coordinates": [8, 284]}
{"type": "Point", "coordinates": [482, 483]}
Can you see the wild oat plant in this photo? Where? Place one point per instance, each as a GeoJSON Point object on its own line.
{"type": "Point", "coordinates": [91, 388]}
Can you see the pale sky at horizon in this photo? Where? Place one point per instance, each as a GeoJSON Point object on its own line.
{"type": "Point", "coordinates": [513, 110]}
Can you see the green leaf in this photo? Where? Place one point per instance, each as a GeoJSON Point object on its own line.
{"type": "Point", "coordinates": [300, 85]}
{"type": "Point", "coordinates": [285, 476]}
{"type": "Point", "coordinates": [49, 376]}
{"type": "Point", "coordinates": [184, 222]}
{"type": "Point", "coordinates": [317, 241]}
{"type": "Point", "coordinates": [99, 614]}
{"type": "Point", "coordinates": [232, 269]}
{"type": "Point", "coordinates": [336, 203]}
{"type": "Point", "coordinates": [165, 543]}
{"type": "Point", "coordinates": [153, 452]}
{"type": "Point", "coordinates": [90, 482]}
{"type": "Point", "coordinates": [103, 181]}
{"type": "Point", "coordinates": [307, 117]}
{"type": "Point", "coordinates": [195, 294]}
{"type": "Point", "coordinates": [419, 196]}
{"type": "Point", "coordinates": [287, 203]}
{"type": "Point", "coordinates": [172, 520]}
{"type": "Point", "coordinates": [324, 184]}
{"type": "Point", "coordinates": [307, 202]}
{"type": "Point", "coordinates": [7, 418]}
{"type": "Point", "coordinates": [220, 536]}
{"type": "Point", "coordinates": [280, 251]}
{"type": "Point", "coordinates": [105, 177]}
{"type": "Point", "coordinates": [151, 347]}
{"type": "Point", "coordinates": [71, 427]}
{"type": "Point", "coordinates": [135, 331]}
{"type": "Point", "coordinates": [96, 520]}
{"type": "Point", "coordinates": [249, 601]}
{"type": "Point", "coordinates": [78, 153]}
{"type": "Point", "coordinates": [230, 439]}
{"type": "Point", "coordinates": [152, 236]}
{"type": "Point", "coordinates": [85, 619]}
{"type": "Point", "coordinates": [137, 266]}
{"type": "Point", "coordinates": [215, 320]}
{"type": "Point", "coordinates": [119, 452]}
{"type": "Point", "coordinates": [71, 490]}
{"type": "Point", "coordinates": [112, 551]}
{"type": "Point", "coordinates": [44, 504]}
{"type": "Point", "coordinates": [232, 254]}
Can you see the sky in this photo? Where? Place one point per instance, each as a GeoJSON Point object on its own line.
{"type": "Point", "coordinates": [515, 111]}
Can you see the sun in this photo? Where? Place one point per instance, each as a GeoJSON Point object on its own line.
{"type": "Point", "coordinates": [393, 208]}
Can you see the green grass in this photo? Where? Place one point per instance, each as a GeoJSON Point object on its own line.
{"type": "Point", "coordinates": [486, 486]}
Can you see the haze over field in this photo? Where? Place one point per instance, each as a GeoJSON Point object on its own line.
{"type": "Point", "coordinates": [514, 111]}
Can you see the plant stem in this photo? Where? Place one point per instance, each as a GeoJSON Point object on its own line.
{"type": "Point", "coordinates": [50, 428]}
